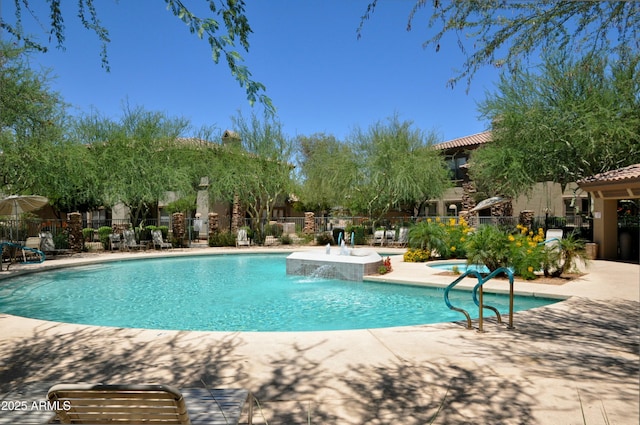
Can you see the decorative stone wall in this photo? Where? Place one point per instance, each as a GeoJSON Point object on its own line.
{"type": "Point", "coordinates": [309, 223]}
{"type": "Point", "coordinates": [237, 215]}
{"type": "Point", "coordinates": [213, 223]}
{"type": "Point", "coordinates": [468, 193]}
{"type": "Point", "coordinates": [74, 227]}
{"type": "Point", "coordinates": [178, 227]}
{"type": "Point", "coordinates": [526, 218]}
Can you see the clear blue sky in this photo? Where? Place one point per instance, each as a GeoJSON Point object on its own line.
{"type": "Point", "coordinates": [320, 77]}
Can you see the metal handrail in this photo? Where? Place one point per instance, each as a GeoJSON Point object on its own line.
{"type": "Point", "coordinates": [454, 283]}
{"type": "Point", "coordinates": [478, 300]}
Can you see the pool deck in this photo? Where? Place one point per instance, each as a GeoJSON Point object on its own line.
{"type": "Point", "coordinates": [573, 362]}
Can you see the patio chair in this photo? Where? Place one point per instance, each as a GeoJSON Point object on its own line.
{"type": "Point", "coordinates": [130, 240]}
{"type": "Point", "coordinates": [242, 239]}
{"type": "Point", "coordinates": [403, 237]}
{"type": "Point", "coordinates": [552, 237]}
{"type": "Point", "coordinates": [147, 404]}
{"type": "Point", "coordinates": [48, 246]}
{"type": "Point", "coordinates": [378, 237]}
{"type": "Point", "coordinates": [115, 241]}
{"type": "Point", "coordinates": [158, 242]}
{"type": "Point", "coordinates": [31, 252]}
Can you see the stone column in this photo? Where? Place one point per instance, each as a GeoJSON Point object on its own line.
{"type": "Point", "coordinates": [178, 227]}
{"type": "Point", "coordinates": [74, 229]}
{"type": "Point", "coordinates": [526, 218]}
{"type": "Point", "coordinates": [237, 215]}
{"type": "Point", "coordinates": [213, 223]}
{"type": "Point", "coordinates": [309, 223]}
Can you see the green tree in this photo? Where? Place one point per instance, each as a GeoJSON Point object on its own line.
{"type": "Point", "coordinates": [31, 122]}
{"type": "Point", "coordinates": [392, 166]}
{"type": "Point", "coordinates": [573, 119]}
{"type": "Point", "coordinates": [226, 29]}
{"type": "Point", "coordinates": [322, 161]}
{"type": "Point", "coordinates": [259, 172]}
{"type": "Point", "coordinates": [506, 33]}
{"type": "Point", "coordinates": [139, 158]}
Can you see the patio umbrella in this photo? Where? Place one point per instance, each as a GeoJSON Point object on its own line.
{"type": "Point", "coordinates": [17, 204]}
{"type": "Point", "coordinates": [488, 203]}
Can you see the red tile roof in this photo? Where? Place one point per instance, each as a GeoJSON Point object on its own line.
{"type": "Point", "coordinates": [630, 173]}
{"type": "Point", "coordinates": [473, 140]}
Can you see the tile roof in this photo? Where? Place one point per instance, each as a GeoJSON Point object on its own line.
{"type": "Point", "coordinates": [621, 175]}
{"type": "Point", "coordinates": [473, 140]}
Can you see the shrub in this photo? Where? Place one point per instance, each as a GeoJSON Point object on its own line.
{"type": "Point", "coordinates": [324, 238]}
{"type": "Point", "coordinates": [87, 234]}
{"type": "Point", "coordinates": [488, 246]}
{"type": "Point", "coordinates": [275, 230]}
{"type": "Point", "coordinates": [358, 234]}
{"type": "Point", "coordinates": [222, 239]}
{"type": "Point", "coordinates": [103, 235]}
{"type": "Point", "coordinates": [416, 255]}
{"type": "Point", "coordinates": [164, 230]}
{"type": "Point", "coordinates": [447, 240]}
{"type": "Point", "coordinates": [286, 240]}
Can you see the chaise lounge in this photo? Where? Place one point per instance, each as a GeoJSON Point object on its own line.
{"type": "Point", "coordinates": [147, 404]}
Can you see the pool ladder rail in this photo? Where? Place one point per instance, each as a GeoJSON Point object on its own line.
{"type": "Point", "coordinates": [477, 295]}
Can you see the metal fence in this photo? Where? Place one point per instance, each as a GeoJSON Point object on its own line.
{"type": "Point", "coordinates": [198, 229]}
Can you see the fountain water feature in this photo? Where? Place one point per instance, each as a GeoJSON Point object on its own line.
{"type": "Point", "coordinates": [346, 264]}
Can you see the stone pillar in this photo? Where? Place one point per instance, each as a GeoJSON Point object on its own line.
{"type": "Point", "coordinates": [178, 227]}
{"type": "Point", "coordinates": [237, 215]}
{"type": "Point", "coordinates": [74, 229]}
{"type": "Point", "coordinates": [526, 218]}
{"type": "Point", "coordinates": [309, 223]}
{"type": "Point", "coordinates": [202, 203]}
{"type": "Point", "coordinates": [213, 223]}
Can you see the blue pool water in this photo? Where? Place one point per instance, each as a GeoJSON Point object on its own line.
{"type": "Point", "coordinates": [461, 267]}
{"type": "Point", "coordinates": [227, 293]}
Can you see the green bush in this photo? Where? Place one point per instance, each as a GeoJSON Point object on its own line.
{"type": "Point", "coordinates": [488, 246]}
{"type": "Point", "coordinates": [416, 255]}
{"type": "Point", "coordinates": [87, 234]}
{"type": "Point", "coordinates": [164, 230]}
{"type": "Point", "coordinates": [286, 240]}
{"type": "Point", "coordinates": [103, 235]}
{"type": "Point", "coordinates": [358, 235]}
{"type": "Point", "coordinates": [324, 238]}
{"type": "Point", "coordinates": [222, 239]}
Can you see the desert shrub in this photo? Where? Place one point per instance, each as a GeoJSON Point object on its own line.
{"type": "Point", "coordinates": [222, 239]}
{"type": "Point", "coordinates": [87, 234]}
{"type": "Point", "coordinates": [286, 239]}
{"type": "Point", "coordinates": [273, 230]}
{"type": "Point", "coordinates": [103, 235]}
{"type": "Point", "coordinates": [358, 235]}
{"type": "Point", "coordinates": [324, 238]}
{"type": "Point", "coordinates": [164, 230]}
{"type": "Point", "coordinates": [488, 246]}
{"type": "Point", "coordinates": [416, 255]}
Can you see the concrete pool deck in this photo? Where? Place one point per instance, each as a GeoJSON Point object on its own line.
{"type": "Point", "coordinates": [573, 358]}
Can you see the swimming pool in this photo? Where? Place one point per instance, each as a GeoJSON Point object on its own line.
{"type": "Point", "coordinates": [249, 292]}
{"type": "Point", "coordinates": [460, 266]}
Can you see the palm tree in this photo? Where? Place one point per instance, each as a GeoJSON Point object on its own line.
{"type": "Point", "coordinates": [563, 256]}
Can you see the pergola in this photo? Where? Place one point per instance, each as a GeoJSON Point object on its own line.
{"type": "Point", "coordinates": [606, 190]}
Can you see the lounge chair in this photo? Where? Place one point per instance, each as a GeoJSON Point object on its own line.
{"type": "Point", "coordinates": [147, 404]}
{"type": "Point", "coordinates": [130, 240]}
{"type": "Point", "coordinates": [115, 241]}
{"type": "Point", "coordinates": [378, 237]}
{"type": "Point", "coordinates": [31, 252]}
{"type": "Point", "coordinates": [242, 239]}
{"type": "Point", "coordinates": [48, 246]}
{"type": "Point", "coordinates": [158, 242]}
{"type": "Point", "coordinates": [403, 237]}
{"type": "Point", "coordinates": [552, 237]}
